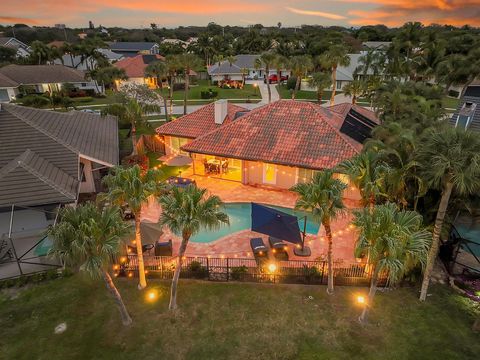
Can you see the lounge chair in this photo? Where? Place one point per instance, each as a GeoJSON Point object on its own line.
{"type": "Point", "coordinates": [163, 248]}
{"type": "Point", "coordinates": [132, 250]}
{"type": "Point", "coordinates": [279, 248]}
{"type": "Point", "coordinates": [258, 247]}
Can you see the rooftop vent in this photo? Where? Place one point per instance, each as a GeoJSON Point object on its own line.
{"type": "Point", "coordinates": [221, 111]}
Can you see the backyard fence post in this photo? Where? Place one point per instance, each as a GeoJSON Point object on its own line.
{"type": "Point", "coordinates": [227, 269]}
{"type": "Point", "coordinates": [323, 272]}
{"type": "Point", "coordinates": [208, 269]}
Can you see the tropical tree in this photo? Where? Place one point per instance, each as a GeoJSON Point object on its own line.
{"type": "Point", "coordinates": [393, 241]}
{"type": "Point", "coordinates": [320, 80]}
{"type": "Point", "coordinates": [266, 59]}
{"type": "Point", "coordinates": [159, 70]}
{"type": "Point", "coordinates": [134, 187]}
{"type": "Point", "coordinates": [450, 162]}
{"type": "Point", "coordinates": [354, 89]}
{"type": "Point", "coordinates": [299, 65]}
{"type": "Point", "coordinates": [187, 211]}
{"type": "Point", "coordinates": [187, 62]}
{"type": "Point", "coordinates": [108, 75]}
{"type": "Point", "coordinates": [335, 56]}
{"type": "Point", "coordinates": [366, 173]}
{"type": "Point", "coordinates": [279, 63]}
{"type": "Point", "coordinates": [40, 52]}
{"type": "Point", "coordinates": [88, 239]}
{"type": "Point", "coordinates": [323, 198]}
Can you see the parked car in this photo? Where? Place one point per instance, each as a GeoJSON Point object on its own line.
{"type": "Point", "coordinates": [274, 78]}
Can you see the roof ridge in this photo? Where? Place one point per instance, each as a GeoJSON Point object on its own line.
{"type": "Point", "coordinates": [39, 128]}
{"type": "Point", "coordinates": [337, 131]}
{"type": "Point", "coordinates": [23, 163]}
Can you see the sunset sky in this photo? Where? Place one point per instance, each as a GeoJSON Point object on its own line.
{"type": "Point", "coordinates": [135, 14]}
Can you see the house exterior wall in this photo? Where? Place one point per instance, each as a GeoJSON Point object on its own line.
{"type": "Point", "coordinates": [171, 143]}
{"type": "Point", "coordinates": [87, 184]}
{"type": "Point", "coordinates": [231, 77]}
{"type": "Point", "coordinates": [8, 94]}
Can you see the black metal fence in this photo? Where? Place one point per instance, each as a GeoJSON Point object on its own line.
{"type": "Point", "coordinates": [249, 270]}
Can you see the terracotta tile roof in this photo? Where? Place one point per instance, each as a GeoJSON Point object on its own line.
{"type": "Point", "coordinates": [198, 123]}
{"type": "Point", "coordinates": [135, 66]}
{"type": "Point", "coordinates": [344, 108]}
{"type": "Point", "coordinates": [286, 132]}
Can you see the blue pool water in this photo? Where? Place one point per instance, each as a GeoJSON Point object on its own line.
{"type": "Point", "coordinates": [240, 219]}
{"type": "Point", "coordinates": [471, 233]}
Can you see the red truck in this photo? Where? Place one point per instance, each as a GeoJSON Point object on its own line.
{"type": "Point", "coordinates": [274, 78]}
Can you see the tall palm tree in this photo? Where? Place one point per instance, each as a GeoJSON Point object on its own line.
{"type": "Point", "coordinates": [186, 212]}
{"type": "Point", "coordinates": [393, 241]}
{"type": "Point", "coordinates": [365, 172]}
{"type": "Point", "coordinates": [335, 56]}
{"type": "Point", "coordinates": [450, 162]}
{"type": "Point", "coordinates": [89, 239]}
{"type": "Point", "coordinates": [159, 70]}
{"type": "Point", "coordinates": [319, 80]}
{"type": "Point", "coordinates": [279, 63]}
{"type": "Point", "coordinates": [354, 89]}
{"type": "Point", "coordinates": [40, 52]}
{"type": "Point", "coordinates": [131, 111]}
{"type": "Point", "coordinates": [300, 65]}
{"type": "Point", "coordinates": [323, 197]}
{"type": "Point", "coordinates": [187, 62]}
{"type": "Point", "coordinates": [134, 187]}
{"type": "Point", "coordinates": [266, 59]}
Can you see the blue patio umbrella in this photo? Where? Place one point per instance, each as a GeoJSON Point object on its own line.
{"type": "Point", "coordinates": [276, 223]}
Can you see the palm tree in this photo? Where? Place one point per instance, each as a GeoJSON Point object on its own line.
{"type": "Point", "coordinates": [279, 63]}
{"type": "Point", "coordinates": [323, 197]}
{"type": "Point", "coordinates": [335, 56]}
{"type": "Point", "coordinates": [365, 172]}
{"type": "Point", "coordinates": [134, 187]}
{"type": "Point", "coordinates": [89, 239]}
{"type": "Point", "coordinates": [266, 59]}
{"type": "Point", "coordinates": [320, 80]}
{"type": "Point", "coordinates": [186, 212]}
{"type": "Point", "coordinates": [159, 70]}
{"type": "Point", "coordinates": [187, 62]}
{"type": "Point", "coordinates": [393, 241]}
{"type": "Point", "coordinates": [354, 89]}
{"type": "Point", "coordinates": [108, 75]}
{"type": "Point", "coordinates": [131, 112]}
{"type": "Point", "coordinates": [40, 52]}
{"type": "Point", "coordinates": [300, 65]}
{"type": "Point", "coordinates": [450, 162]}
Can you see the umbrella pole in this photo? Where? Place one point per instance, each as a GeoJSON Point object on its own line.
{"type": "Point", "coordinates": [304, 232]}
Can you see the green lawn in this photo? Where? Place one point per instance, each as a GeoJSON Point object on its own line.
{"type": "Point", "coordinates": [303, 94]}
{"type": "Point", "coordinates": [231, 321]}
{"type": "Point", "coordinates": [194, 93]}
{"type": "Point", "coordinates": [449, 102]}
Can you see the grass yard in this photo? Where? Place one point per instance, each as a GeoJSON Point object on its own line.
{"type": "Point", "coordinates": [303, 94]}
{"type": "Point", "coordinates": [450, 103]}
{"type": "Point", "coordinates": [203, 85]}
{"type": "Point", "coordinates": [231, 321]}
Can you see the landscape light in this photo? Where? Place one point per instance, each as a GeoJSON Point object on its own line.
{"type": "Point", "coordinates": [152, 295]}
{"type": "Point", "coordinates": [272, 267]}
{"type": "Point", "coordinates": [361, 299]}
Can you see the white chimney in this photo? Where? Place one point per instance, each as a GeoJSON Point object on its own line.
{"type": "Point", "coordinates": [221, 111]}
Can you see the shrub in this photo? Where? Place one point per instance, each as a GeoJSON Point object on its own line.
{"type": "Point", "coordinates": [291, 82]}
{"type": "Point", "coordinates": [238, 272]}
{"type": "Point", "coordinates": [37, 101]}
{"type": "Point", "coordinates": [197, 270]}
{"type": "Point", "coordinates": [208, 94]}
{"type": "Point", "coordinates": [140, 160]}
{"type": "Point", "coordinates": [178, 86]}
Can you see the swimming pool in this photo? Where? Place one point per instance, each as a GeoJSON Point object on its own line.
{"type": "Point", "coordinates": [240, 219]}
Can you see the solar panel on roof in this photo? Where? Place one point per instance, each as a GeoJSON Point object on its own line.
{"type": "Point", "coordinates": [363, 118]}
{"type": "Point", "coordinates": [357, 126]}
{"type": "Point", "coordinates": [473, 91]}
{"type": "Point", "coordinates": [239, 113]}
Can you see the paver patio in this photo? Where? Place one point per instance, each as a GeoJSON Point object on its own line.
{"type": "Point", "coordinates": [238, 244]}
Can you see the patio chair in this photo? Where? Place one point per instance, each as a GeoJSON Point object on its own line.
{"type": "Point", "coordinates": [163, 248]}
{"type": "Point", "coordinates": [258, 247]}
{"type": "Point", "coordinates": [279, 248]}
{"type": "Point", "coordinates": [132, 250]}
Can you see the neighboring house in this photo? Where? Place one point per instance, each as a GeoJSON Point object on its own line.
{"type": "Point", "coordinates": [243, 64]}
{"type": "Point", "coordinates": [50, 157]}
{"type": "Point", "coordinates": [110, 55]}
{"type": "Point", "coordinates": [346, 74]}
{"type": "Point", "coordinates": [131, 49]}
{"type": "Point", "coordinates": [467, 115]}
{"type": "Point", "coordinates": [135, 69]}
{"type": "Point", "coordinates": [278, 145]}
{"type": "Point", "coordinates": [77, 62]}
{"type": "Point", "coordinates": [40, 79]}
{"type": "Point", "coordinates": [182, 43]}
{"type": "Point", "coordinates": [23, 50]}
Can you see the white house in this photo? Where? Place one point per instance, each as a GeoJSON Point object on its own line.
{"type": "Point", "coordinates": [23, 50]}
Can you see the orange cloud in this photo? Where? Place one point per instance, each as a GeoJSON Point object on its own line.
{"type": "Point", "coordinates": [397, 12]}
{"type": "Point", "coordinates": [17, 20]}
{"type": "Point", "coordinates": [315, 13]}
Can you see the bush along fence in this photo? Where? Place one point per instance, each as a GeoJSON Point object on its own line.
{"type": "Point", "coordinates": [249, 270]}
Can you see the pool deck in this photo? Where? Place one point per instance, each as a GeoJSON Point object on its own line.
{"type": "Point", "coordinates": [238, 244]}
